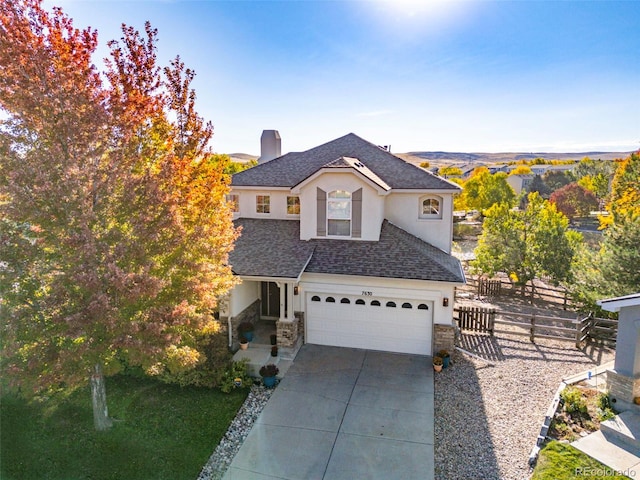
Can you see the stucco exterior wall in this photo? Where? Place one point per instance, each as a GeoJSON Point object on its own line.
{"type": "Point", "coordinates": [385, 287]}
{"type": "Point", "coordinates": [242, 296]}
{"type": "Point", "coordinates": [403, 210]}
{"type": "Point", "coordinates": [372, 204]}
{"type": "Point", "coordinates": [278, 204]}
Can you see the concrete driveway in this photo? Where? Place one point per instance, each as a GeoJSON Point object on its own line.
{"type": "Point", "coordinates": [343, 413]}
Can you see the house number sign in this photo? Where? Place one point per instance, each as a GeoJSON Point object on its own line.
{"type": "Point", "coordinates": [367, 294]}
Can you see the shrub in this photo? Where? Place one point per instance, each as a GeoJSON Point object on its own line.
{"type": "Point", "coordinates": [236, 376]}
{"type": "Point", "coordinates": [604, 407]}
{"type": "Point", "coordinates": [213, 361]}
{"type": "Point", "coordinates": [573, 400]}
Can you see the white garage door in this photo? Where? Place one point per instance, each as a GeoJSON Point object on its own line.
{"type": "Point", "coordinates": [388, 324]}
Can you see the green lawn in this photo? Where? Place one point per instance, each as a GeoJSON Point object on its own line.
{"type": "Point", "coordinates": [560, 460]}
{"type": "Point", "coordinates": [162, 432]}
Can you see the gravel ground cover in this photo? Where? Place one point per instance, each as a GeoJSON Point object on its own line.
{"type": "Point", "coordinates": [487, 417]}
{"type": "Point", "coordinates": [236, 433]}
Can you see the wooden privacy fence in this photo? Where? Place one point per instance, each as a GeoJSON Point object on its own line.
{"type": "Point", "coordinates": [484, 320]}
{"type": "Point", "coordinates": [476, 319]}
{"type": "Point", "coordinates": [489, 288]}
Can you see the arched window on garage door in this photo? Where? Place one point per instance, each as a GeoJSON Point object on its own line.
{"type": "Point", "coordinates": [345, 300]}
{"type": "Point", "coordinates": [315, 298]}
{"type": "Point", "coordinates": [407, 305]}
{"type": "Point", "coordinates": [391, 304]}
{"type": "Point", "coordinates": [360, 302]}
{"type": "Point", "coordinates": [422, 306]}
{"type": "Point", "coordinates": [375, 303]}
{"type": "Point", "coordinates": [330, 300]}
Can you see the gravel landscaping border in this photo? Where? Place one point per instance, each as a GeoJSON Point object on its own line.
{"type": "Point", "coordinates": [487, 417]}
{"type": "Point", "coordinates": [237, 432]}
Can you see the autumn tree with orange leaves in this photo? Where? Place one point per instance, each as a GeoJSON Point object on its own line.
{"type": "Point", "coordinates": [114, 231]}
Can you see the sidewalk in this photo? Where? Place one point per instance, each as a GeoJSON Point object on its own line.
{"type": "Point", "coordinates": [617, 443]}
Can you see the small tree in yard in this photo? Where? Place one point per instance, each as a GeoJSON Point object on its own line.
{"type": "Point", "coordinates": [526, 244]}
{"type": "Point", "coordinates": [114, 231]}
{"type": "Point", "coordinates": [483, 190]}
{"type": "Point", "coordinates": [574, 200]}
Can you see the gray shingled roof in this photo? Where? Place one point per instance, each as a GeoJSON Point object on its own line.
{"type": "Point", "coordinates": [273, 248]}
{"type": "Point", "coordinates": [292, 168]}
{"type": "Point", "coordinates": [269, 248]}
{"type": "Point", "coordinates": [354, 163]}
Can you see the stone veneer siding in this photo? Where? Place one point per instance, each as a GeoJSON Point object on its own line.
{"type": "Point", "coordinates": [444, 338]}
{"type": "Point", "coordinates": [289, 333]}
{"type": "Point", "coordinates": [622, 388]}
{"type": "Point", "coordinates": [250, 314]}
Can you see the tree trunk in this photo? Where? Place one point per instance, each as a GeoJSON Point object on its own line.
{"type": "Point", "coordinates": [101, 420]}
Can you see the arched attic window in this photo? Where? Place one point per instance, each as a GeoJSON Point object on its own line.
{"type": "Point", "coordinates": [430, 207]}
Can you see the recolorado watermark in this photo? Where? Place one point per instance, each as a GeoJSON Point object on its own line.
{"type": "Point", "coordinates": [603, 472]}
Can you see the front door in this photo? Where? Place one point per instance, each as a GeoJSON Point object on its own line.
{"type": "Point", "coordinates": [270, 295]}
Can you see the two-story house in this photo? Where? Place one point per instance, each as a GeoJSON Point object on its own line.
{"type": "Point", "coordinates": [344, 244]}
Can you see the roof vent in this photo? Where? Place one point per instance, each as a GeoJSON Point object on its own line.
{"type": "Point", "coordinates": [386, 148]}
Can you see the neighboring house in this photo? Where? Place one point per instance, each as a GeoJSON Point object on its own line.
{"type": "Point", "coordinates": [520, 182]}
{"type": "Point", "coordinates": [344, 244]}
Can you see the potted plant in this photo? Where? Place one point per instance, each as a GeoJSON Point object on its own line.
{"type": "Point", "coordinates": [437, 363]}
{"type": "Point", "coordinates": [268, 374]}
{"type": "Point", "coordinates": [444, 354]}
{"type": "Point", "coordinates": [246, 329]}
{"type": "Point", "coordinates": [274, 351]}
{"type": "Point", "coordinates": [244, 343]}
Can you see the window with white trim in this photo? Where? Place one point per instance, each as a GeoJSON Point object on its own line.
{"type": "Point", "coordinates": [431, 207]}
{"type": "Point", "coordinates": [293, 205]}
{"type": "Point", "coordinates": [339, 213]}
{"type": "Point", "coordinates": [263, 204]}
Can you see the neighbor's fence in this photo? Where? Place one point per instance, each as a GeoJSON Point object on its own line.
{"type": "Point", "coordinates": [484, 320]}
{"type": "Point", "coordinates": [485, 287]}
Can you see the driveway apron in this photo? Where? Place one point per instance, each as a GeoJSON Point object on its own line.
{"type": "Point", "coordinates": [343, 413]}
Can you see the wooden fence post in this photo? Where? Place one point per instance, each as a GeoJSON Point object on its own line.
{"type": "Point", "coordinates": [578, 331]}
{"type": "Point", "coordinates": [492, 319]}
{"type": "Point", "coordinates": [532, 336]}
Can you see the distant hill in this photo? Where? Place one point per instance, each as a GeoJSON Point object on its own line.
{"type": "Point", "coordinates": [242, 157]}
{"type": "Point", "coordinates": [463, 158]}
{"type": "Point", "coordinates": [448, 158]}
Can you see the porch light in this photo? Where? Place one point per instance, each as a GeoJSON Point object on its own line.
{"type": "Point", "coordinates": [445, 302]}
{"type": "Point", "coordinates": [295, 290]}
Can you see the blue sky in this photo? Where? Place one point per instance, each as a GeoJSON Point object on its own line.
{"type": "Point", "coordinates": [481, 76]}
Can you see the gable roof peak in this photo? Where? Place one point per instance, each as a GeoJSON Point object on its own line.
{"type": "Point", "coordinates": [349, 150]}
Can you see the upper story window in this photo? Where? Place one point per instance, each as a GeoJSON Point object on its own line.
{"type": "Point", "coordinates": [263, 204]}
{"type": "Point", "coordinates": [293, 205]}
{"type": "Point", "coordinates": [431, 207]}
{"type": "Point", "coordinates": [234, 201]}
{"type": "Point", "coordinates": [339, 213]}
